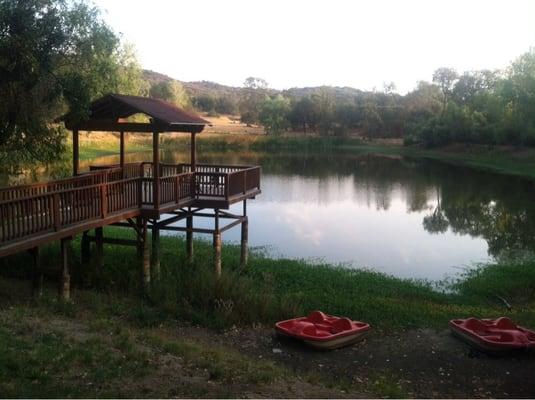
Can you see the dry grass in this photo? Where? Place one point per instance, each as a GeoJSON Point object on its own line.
{"type": "Point", "coordinates": [231, 124]}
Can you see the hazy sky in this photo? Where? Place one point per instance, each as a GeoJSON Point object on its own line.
{"type": "Point", "coordinates": [334, 42]}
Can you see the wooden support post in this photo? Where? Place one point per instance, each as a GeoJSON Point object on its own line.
{"type": "Point", "coordinates": [244, 253]}
{"type": "Point", "coordinates": [217, 245]}
{"type": "Point", "coordinates": [217, 253]}
{"type": "Point", "coordinates": [37, 273]}
{"type": "Point", "coordinates": [75, 152]}
{"type": "Point", "coordinates": [65, 276]}
{"type": "Point", "coordinates": [189, 238]}
{"type": "Point", "coordinates": [139, 237]}
{"type": "Point", "coordinates": [193, 153]}
{"type": "Point", "coordinates": [145, 271]}
{"type": "Point", "coordinates": [156, 169]}
{"type": "Point", "coordinates": [85, 249]}
{"type": "Point", "coordinates": [155, 256]}
{"type": "Point", "coordinates": [99, 253]}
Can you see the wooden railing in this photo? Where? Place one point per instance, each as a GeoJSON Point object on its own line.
{"type": "Point", "coordinates": [53, 211]}
{"type": "Point", "coordinates": [87, 179]}
{"type": "Point", "coordinates": [30, 210]}
{"type": "Point", "coordinates": [220, 181]}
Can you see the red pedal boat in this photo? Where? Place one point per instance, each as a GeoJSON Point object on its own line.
{"type": "Point", "coordinates": [494, 335]}
{"type": "Point", "coordinates": [323, 331]}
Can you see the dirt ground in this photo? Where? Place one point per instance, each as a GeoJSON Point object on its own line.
{"type": "Point", "coordinates": [417, 363]}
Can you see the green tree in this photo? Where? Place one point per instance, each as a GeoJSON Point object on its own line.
{"type": "Point", "coordinates": [274, 114]}
{"type": "Point", "coordinates": [303, 114]}
{"type": "Point", "coordinates": [54, 55]}
{"type": "Point", "coordinates": [445, 78]}
{"type": "Point", "coordinates": [172, 92]}
{"type": "Point", "coordinates": [254, 93]}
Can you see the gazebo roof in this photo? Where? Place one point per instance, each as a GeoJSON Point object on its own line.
{"type": "Point", "coordinates": [107, 112]}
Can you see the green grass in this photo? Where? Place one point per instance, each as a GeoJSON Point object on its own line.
{"type": "Point", "coordinates": [51, 365]}
{"type": "Point", "coordinates": [271, 290]}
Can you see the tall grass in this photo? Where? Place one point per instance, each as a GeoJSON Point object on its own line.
{"type": "Point", "coordinates": [270, 290]}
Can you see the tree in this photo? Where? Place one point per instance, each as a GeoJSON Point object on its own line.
{"type": "Point", "coordinates": [54, 55]}
{"type": "Point", "coordinates": [303, 114]}
{"type": "Point", "coordinates": [172, 92]}
{"type": "Point", "coordinates": [274, 114]}
{"type": "Point", "coordinates": [254, 93]}
{"type": "Point", "coordinates": [445, 78]}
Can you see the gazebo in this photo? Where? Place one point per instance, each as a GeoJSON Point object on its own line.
{"type": "Point", "coordinates": [142, 196]}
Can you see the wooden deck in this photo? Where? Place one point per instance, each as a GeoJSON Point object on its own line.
{"type": "Point", "coordinates": [33, 215]}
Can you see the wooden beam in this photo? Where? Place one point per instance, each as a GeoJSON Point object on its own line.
{"type": "Point", "coordinates": [75, 152]}
{"type": "Point", "coordinates": [115, 126]}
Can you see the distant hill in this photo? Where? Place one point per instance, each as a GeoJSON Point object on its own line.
{"type": "Point", "coordinates": [195, 89]}
{"type": "Point", "coordinates": [199, 88]}
{"type": "Point", "coordinates": [336, 90]}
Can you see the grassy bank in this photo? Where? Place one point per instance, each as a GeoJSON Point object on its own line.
{"type": "Point", "coordinates": [271, 290]}
{"type": "Point", "coordinates": [196, 336]}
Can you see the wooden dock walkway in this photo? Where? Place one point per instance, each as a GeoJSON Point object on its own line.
{"type": "Point", "coordinates": [33, 215]}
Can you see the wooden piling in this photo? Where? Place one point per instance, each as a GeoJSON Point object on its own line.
{"type": "Point", "coordinates": [244, 244]}
{"type": "Point", "coordinates": [217, 244]}
{"type": "Point", "coordinates": [139, 229]}
{"type": "Point", "coordinates": [145, 272]}
{"type": "Point", "coordinates": [155, 256]}
{"type": "Point", "coordinates": [37, 273]}
{"type": "Point", "coordinates": [99, 251]}
{"type": "Point", "coordinates": [217, 253]}
{"type": "Point", "coordinates": [65, 276]}
{"type": "Point", "coordinates": [189, 239]}
{"type": "Point", "coordinates": [85, 249]}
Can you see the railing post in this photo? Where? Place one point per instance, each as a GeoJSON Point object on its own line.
{"type": "Point", "coordinates": [177, 189]}
{"type": "Point", "coordinates": [57, 215]}
{"type": "Point", "coordinates": [193, 184]}
{"type": "Point", "coordinates": [227, 186]}
{"type": "Point", "coordinates": [103, 200]}
{"type": "Point", "coordinates": [244, 181]}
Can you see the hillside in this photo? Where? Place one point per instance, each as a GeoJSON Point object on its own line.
{"type": "Point", "coordinates": [195, 89]}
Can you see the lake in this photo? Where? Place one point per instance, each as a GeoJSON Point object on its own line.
{"type": "Point", "coordinates": [412, 218]}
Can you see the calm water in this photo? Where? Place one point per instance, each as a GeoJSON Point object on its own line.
{"type": "Point", "coordinates": [407, 217]}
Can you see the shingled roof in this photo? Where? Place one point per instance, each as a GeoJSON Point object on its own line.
{"type": "Point", "coordinates": [115, 107]}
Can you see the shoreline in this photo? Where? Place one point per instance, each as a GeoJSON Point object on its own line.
{"type": "Point", "coordinates": [517, 161]}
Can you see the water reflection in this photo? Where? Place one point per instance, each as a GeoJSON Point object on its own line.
{"type": "Point", "coordinates": [408, 217]}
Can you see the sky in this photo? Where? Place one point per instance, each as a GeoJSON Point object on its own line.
{"type": "Point", "coordinates": [294, 43]}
